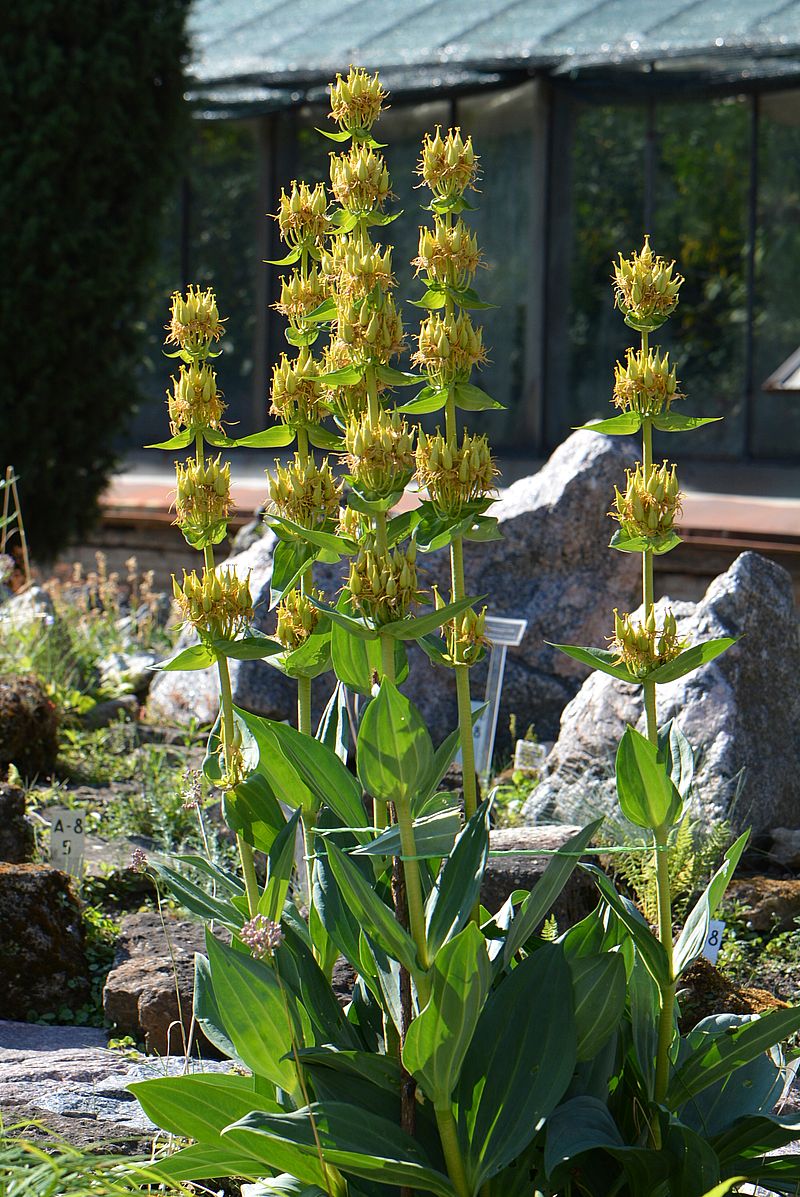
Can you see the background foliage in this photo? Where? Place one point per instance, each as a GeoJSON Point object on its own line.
{"type": "Point", "coordinates": [93, 117]}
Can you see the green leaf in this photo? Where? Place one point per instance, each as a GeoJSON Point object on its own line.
{"type": "Point", "coordinates": [483, 528]}
{"type": "Point", "coordinates": [197, 900]}
{"type": "Point", "coordinates": [754, 1135]}
{"type": "Point", "coordinates": [414, 628]}
{"type": "Point", "coordinates": [320, 769]}
{"type": "Point", "coordinates": [300, 337]}
{"type": "Point", "coordinates": [434, 836]}
{"type": "Point", "coordinates": [290, 559]}
{"type": "Point", "coordinates": [673, 421]}
{"type": "Point", "coordinates": [396, 378]}
{"type": "Point", "coordinates": [650, 948]}
{"type": "Point", "coordinates": [199, 1105]}
{"type": "Point", "coordinates": [352, 1139]}
{"type": "Point", "coordinates": [322, 438]}
{"type": "Point", "coordinates": [692, 658]}
{"type": "Point", "coordinates": [646, 792]}
{"type": "Point", "coordinates": [346, 377]}
{"type": "Point", "coordinates": [579, 1125]}
{"type": "Point", "coordinates": [434, 297]}
{"type": "Point", "coordinates": [428, 400]}
{"type": "Point", "coordinates": [269, 438]}
{"type": "Point", "coordinates": [472, 398]}
{"type": "Point", "coordinates": [381, 1071]}
{"type": "Point", "coordinates": [253, 811]}
{"type": "Point", "coordinates": [519, 1064]}
{"type": "Point", "coordinates": [280, 867]}
{"type": "Point", "coordinates": [322, 312]}
{"type": "Point", "coordinates": [645, 544]}
{"type": "Point", "coordinates": [197, 656]}
{"type": "Point", "coordinates": [622, 425]}
{"type": "Point", "coordinates": [453, 897]}
{"type": "Point", "coordinates": [677, 752]}
{"type": "Point", "coordinates": [310, 659]}
{"type": "Point", "coordinates": [354, 624]}
{"type": "Point", "coordinates": [468, 297]}
{"type": "Point", "coordinates": [179, 441]}
{"type": "Point", "coordinates": [198, 1162]}
{"type": "Point", "coordinates": [316, 536]}
{"type": "Point", "coordinates": [207, 1012]}
{"type": "Point", "coordinates": [598, 658]}
{"type": "Point", "coordinates": [394, 752]}
{"type": "Point", "coordinates": [256, 1016]}
{"type": "Point", "coordinates": [436, 531]}
{"type": "Point", "coordinates": [599, 985]}
{"type": "Point", "coordinates": [290, 259]}
{"type": "Point", "coordinates": [695, 930]}
{"type": "Point", "coordinates": [200, 535]}
{"type": "Point", "coordinates": [253, 647]}
{"type": "Point", "coordinates": [356, 662]}
{"type": "Point", "coordinates": [541, 898]}
{"type": "Point", "coordinates": [339, 136]}
{"type": "Point", "coordinates": [372, 913]}
{"type": "Point", "coordinates": [437, 1041]}
{"type": "Point", "coordinates": [724, 1053]}
{"type": "Point", "coordinates": [696, 1167]}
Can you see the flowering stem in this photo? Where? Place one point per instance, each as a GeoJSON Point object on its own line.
{"type": "Point", "coordinates": [470, 788]}
{"type": "Point", "coordinates": [246, 853]}
{"type": "Point", "coordinates": [416, 906]}
{"type": "Point", "coordinates": [373, 405]}
{"type": "Point", "coordinates": [387, 657]}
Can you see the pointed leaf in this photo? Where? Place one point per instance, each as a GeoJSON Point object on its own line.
{"type": "Point", "coordinates": [196, 656]}
{"type": "Point", "coordinates": [599, 985]}
{"type": "Point", "coordinates": [451, 901]}
{"type": "Point", "coordinates": [695, 930]}
{"type": "Point", "coordinates": [428, 400]}
{"type": "Point", "coordinates": [372, 913]}
{"type": "Point", "coordinates": [394, 754]}
{"type": "Point", "coordinates": [321, 770]}
{"type": "Point", "coordinates": [420, 625]}
{"type": "Point", "coordinates": [622, 425]}
{"type": "Point", "coordinates": [352, 1139]}
{"type": "Point", "coordinates": [646, 792]}
{"type": "Point", "coordinates": [179, 441]}
{"type": "Point", "coordinates": [270, 438]}
{"type": "Point", "coordinates": [645, 544]}
{"type": "Point", "coordinates": [253, 647]}
{"type": "Point", "coordinates": [650, 948]}
{"type": "Point", "coordinates": [322, 438]}
{"type": "Point", "coordinates": [472, 398]}
{"type": "Point", "coordinates": [541, 898]}
{"type": "Point", "coordinates": [691, 658]}
{"type": "Point", "coordinates": [396, 378]}
{"type": "Point", "coordinates": [598, 658]}
{"type": "Point", "coordinates": [673, 421]}
{"type": "Point", "coordinates": [434, 836]}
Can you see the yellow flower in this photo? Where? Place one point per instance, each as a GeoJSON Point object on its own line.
{"type": "Point", "coordinates": [448, 254]}
{"type": "Point", "coordinates": [449, 347]}
{"type": "Point", "coordinates": [302, 217]}
{"type": "Point", "coordinates": [304, 492]}
{"type": "Point", "coordinates": [296, 389]}
{"type": "Point", "coordinates": [448, 165]}
{"type": "Point", "coordinates": [380, 454]}
{"type": "Point", "coordinates": [218, 603]}
{"type": "Point", "coordinates": [641, 645]}
{"type": "Point", "coordinates": [650, 502]}
{"type": "Point", "coordinates": [356, 101]}
{"type": "Point", "coordinates": [194, 321]}
{"type": "Point", "coordinates": [646, 383]}
{"type": "Point", "coordinates": [359, 179]}
{"type": "Point", "coordinates": [646, 287]}
{"type": "Point", "coordinates": [384, 585]}
{"type": "Point", "coordinates": [195, 401]}
{"type": "Point", "coordinates": [454, 474]}
{"type": "Point", "coordinates": [297, 618]}
{"type": "Point", "coordinates": [203, 492]}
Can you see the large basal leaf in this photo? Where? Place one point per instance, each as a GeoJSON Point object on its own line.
{"type": "Point", "coordinates": [258, 1013]}
{"type": "Point", "coordinates": [541, 898]}
{"type": "Point", "coordinates": [199, 1162]}
{"type": "Point", "coordinates": [438, 1039]}
{"type": "Point", "coordinates": [519, 1064]}
{"type": "Point", "coordinates": [458, 885]}
{"type": "Point", "coordinates": [599, 984]}
{"type": "Point", "coordinates": [357, 662]}
{"type": "Point", "coordinates": [696, 1167]}
{"type": "Point", "coordinates": [340, 922]}
{"type": "Point", "coordinates": [198, 900]}
{"type": "Point", "coordinates": [394, 753]}
{"type": "Point", "coordinates": [579, 1125]}
{"type": "Point", "coordinates": [280, 867]}
{"type": "Point", "coordinates": [352, 1139]}
{"type": "Point", "coordinates": [200, 1105]}
{"type": "Point", "coordinates": [207, 1012]}
{"type": "Point", "coordinates": [375, 917]}
{"type": "Point", "coordinates": [300, 970]}
{"type": "Point", "coordinates": [253, 811]}
{"type": "Point", "coordinates": [695, 930]}
{"type": "Point", "coordinates": [755, 1136]}
{"type": "Point", "coordinates": [645, 789]}
{"type": "Point", "coordinates": [724, 1053]}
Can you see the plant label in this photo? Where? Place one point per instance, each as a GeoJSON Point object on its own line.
{"type": "Point", "coordinates": [713, 940]}
{"type": "Point", "coordinates": [67, 837]}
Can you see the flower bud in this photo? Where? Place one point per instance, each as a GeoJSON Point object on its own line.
{"type": "Point", "coordinates": [641, 646]}
{"type": "Point", "coordinates": [448, 255]}
{"type": "Point", "coordinates": [356, 102]}
{"type": "Point", "coordinates": [646, 287]}
{"type": "Point", "coordinates": [301, 294]}
{"type": "Point", "coordinates": [297, 618]}
{"type": "Point", "coordinates": [448, 166]}
{"type": "Point", "coordinates": [302, 218]}
{"type": "Point", "coordinates": [202, 495]}
{"type": "Point", "coordinates": [218, 604]}
{"type": "Point", "coordinates": [303, 492]}
{"type": "Point", "coordinates": [649, 504]}
{"type": "Point", "coordinates": [454, 475]}
{"type": "Point", "coordinates": [449, 347]}
{"type": "Point", "coordinates": [194, 401]}
{"type": "Point", "coordinates": [359, 179]}
{"type": "Point", "coordinates": [380, 455]}
{"type": "Point", "coordinates": [646, 383]}
{"type": "Point", "coordinates": [296, 389]}
{"type": "Point", "coordinates": [383, 586]}
{"type": "Point", "coordinates": [194, 322]}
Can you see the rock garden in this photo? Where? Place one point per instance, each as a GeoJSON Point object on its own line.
{"type": "Point", "coordinates": [269, 923]}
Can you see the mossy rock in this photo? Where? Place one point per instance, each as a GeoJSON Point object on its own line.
{"type": "Point", "coordinates": [28, 727]}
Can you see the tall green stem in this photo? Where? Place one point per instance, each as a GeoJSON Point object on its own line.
{"type": "Point", "coordinates": [463, 697]}
{"type": "Point", "coordinates": [387, 658]}
{"type": "Point", "coordinates": [416, 906]}
{"type": "Point", "coordinates": [452, 1152]}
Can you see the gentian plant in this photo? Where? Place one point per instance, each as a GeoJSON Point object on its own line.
{"type": "Point", "coordinates": [475, 1053]}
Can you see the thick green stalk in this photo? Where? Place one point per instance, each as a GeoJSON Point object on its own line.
{"type": "Point", "coordinates": [452, 1152]}
{"type": "Point", "coordinates": [387, 657]}
{"type": "Point", "coordinates": [416, 906]}
{"type": "Point", "coordinates": [458, 591]}
{"type": "Point", "coordinates": [373, 403]}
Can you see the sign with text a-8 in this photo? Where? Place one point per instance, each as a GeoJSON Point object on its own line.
{"type": "Point", "coordinates": [67, 837]}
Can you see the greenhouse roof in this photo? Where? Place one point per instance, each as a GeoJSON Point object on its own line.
{"type": "Point", "coordinates": [271, 54]}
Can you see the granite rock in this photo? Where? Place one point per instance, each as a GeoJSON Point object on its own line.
{"type": "Point", "coordinates": [740, 712]}
{"type": "Point", "coordinates": [552, 568]}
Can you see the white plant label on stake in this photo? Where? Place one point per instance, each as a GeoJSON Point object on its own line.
{"type": "Point", "coordinates": [67, 837]}
{"type": "Point", "coordinates": [713, 942]}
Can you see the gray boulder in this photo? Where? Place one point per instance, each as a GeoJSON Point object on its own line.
{"type": "Point", "coordinates": [552, 567]}
{"type": "Point", "coordinates": [17, 838]}
{"type": "Point", "coordinates": [740, 712]}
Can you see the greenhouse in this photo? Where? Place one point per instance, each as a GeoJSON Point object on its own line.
{"type": "Point", "coordinates": [598, 122]}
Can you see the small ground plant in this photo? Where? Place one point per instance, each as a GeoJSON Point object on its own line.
{"type": "Point", "coordinates": [477, 1055]}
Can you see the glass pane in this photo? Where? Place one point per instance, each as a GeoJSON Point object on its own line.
{"type": "Point", "coordinates": [701, 220]}
{"type": "Point", "coordinates": [607, 204]}
{"type": "Point", "coordinates": [776, 425]}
